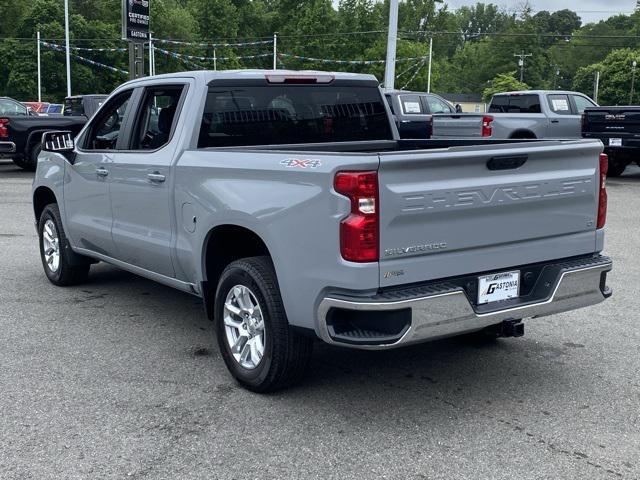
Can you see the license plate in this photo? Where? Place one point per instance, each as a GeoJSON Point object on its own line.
{"type": "Point", "coordinates": [498, 286]}
{"type": "Point", "coordinates": [615, 142]}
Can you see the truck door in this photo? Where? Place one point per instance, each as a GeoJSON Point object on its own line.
{"type": "Point", "coordinates": [87, 180]}
{"type": "Point", "coordinates": [143, 215]}
{"type": "Point", "coordinates": [564, 123]}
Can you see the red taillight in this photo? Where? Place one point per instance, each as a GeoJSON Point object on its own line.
{"type": "Point", "coordinates": [602, 199]}
{"type": "Point", "coordinates": [359, 231]}
{"type": "Point", "coordinates": [487, 130]}
{"type": "Point", "coordinates": [4, 131]}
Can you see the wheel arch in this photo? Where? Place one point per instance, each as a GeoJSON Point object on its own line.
{"type": "Point", "coordinates": [523, 133]}
{"type": "Point", "coordinates": [42, 196]}
{"type": "Point", "coordinates": [34, 138]}
{"type": "Point", "coordinates": [224, 244]}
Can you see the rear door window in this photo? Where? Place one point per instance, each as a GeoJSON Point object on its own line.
{"type": "Point", "coordinates": [411, 105]}
{"type": "Point", "coordinates": [292, 114]}
{"type": "Point", "coordinates": [560, 105]}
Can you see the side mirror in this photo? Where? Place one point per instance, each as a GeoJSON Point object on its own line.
{"type": "Point", "coordinates": [458, 108]}
{"type": "Point", "coordinates": [59, 142]}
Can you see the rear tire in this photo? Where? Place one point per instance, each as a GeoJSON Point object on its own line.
{"type": "Point", "coordinates": [56, 252]}
{"type": "Point", "coordinates": [616, 168]}
{"type": "Point", "coordinates": [257, 344]}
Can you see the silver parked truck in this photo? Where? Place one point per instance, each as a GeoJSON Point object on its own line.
{"type": "Point", "coordinates": [547, 114]}
{"type": "Point", "coordinates": [287, 202]}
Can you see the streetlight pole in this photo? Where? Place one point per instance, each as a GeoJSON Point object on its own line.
{"type": "Point", "coordinates": [68, 48]}
{"type": "Point", "coordinates": [430, 57]}
{"type": "Point", "coordinates": [633, 81]}
{"type": "Point", "coordinates": [39, 70]}
{"type": "Point", "coordinates": [392, 38]}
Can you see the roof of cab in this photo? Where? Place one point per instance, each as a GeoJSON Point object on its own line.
{"type": "Point", "coordinates": [209, 75]}
{"type": "Point", "coordinates": [538, 92]}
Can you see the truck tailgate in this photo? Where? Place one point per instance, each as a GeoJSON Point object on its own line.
{"type": "Point", "coordinates": [445, 212]}
{"type": "Point", "coordinates": [614, 121]}
{"type": "Point", "coordinates": [457, 125]}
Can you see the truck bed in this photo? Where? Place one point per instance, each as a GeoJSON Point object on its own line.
{"type": "Point", "coordinates": [450, 207]}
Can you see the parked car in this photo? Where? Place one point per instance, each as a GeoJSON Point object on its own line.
{"type": "Point", "coordinates": [619, 130]}
{"type": "Point", "coordinates": [413, 111]}
{"type": "Point", "coordinates": [21, 133]}
{"type": "Point", "coordinates": [543, 114]}
{"type": "Point", "coordinates": [287, 202]}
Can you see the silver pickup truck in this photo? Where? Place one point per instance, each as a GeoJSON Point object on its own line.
{"type": "Point", "coordinates": [543, 114]}
{"type": "Point", "coordinates": [286, 201]}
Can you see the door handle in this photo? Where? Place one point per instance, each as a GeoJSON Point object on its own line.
{"type": "Point", "coordinates": [555, 121]}
{"type": "Point", "coordinates": [102, 172]}
{"type": "Point", "coordinates": [156, 177]}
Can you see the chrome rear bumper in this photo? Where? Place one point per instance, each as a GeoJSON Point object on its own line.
{"type": "Point", "coordinates": [447, 311]}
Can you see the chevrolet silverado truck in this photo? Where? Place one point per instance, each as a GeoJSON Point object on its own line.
{"type": "Point", "coordinates": [21, 134]}
{"type": "Point", "coordinates": [619, 130]}
{"type": "Point", "coordinates": [541, 114]}
{"type": "Point", "coordinates": [287, 202]}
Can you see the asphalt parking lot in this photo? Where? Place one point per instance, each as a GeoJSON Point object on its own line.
{"type": "Point", "coordinates": [121, 378]}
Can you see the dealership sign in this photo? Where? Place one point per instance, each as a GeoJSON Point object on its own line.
{"type": "Point", "coordinates": [135, 20]}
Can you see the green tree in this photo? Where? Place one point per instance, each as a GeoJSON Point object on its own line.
{"type": "Point", "coordinates": [504, 82]}
{"type": "Point", "coordinates": [616, 72]}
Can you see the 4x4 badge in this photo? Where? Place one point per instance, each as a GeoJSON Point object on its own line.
{"type": "Point", "coordinates": [300, 163]}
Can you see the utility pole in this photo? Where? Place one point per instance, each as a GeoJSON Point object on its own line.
{"type": "Point", "coordinates": [521, 57]}
{"type": "Point", "coordinates": [68, 48]}
{"type": "Point", "coordinates": [392, 38]}
{"type": "Point", "coordinates": [633, 81]}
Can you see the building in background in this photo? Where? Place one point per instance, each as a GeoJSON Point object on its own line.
{"type": "Point", "coordinates": [470, 102]}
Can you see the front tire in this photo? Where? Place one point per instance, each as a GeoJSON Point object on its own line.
{"type": "Point", "coordinates": [55, 250]}
{"type": "Point", "coordinates": [23, 163]}
{"type": "Point", "coordinates": [257, 344]}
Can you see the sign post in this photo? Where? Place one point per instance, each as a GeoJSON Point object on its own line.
{"type": "Point", "coordinates": [135, 29]}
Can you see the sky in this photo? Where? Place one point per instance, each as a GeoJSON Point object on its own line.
{"type": "Point", "coordinates": [589, 10]}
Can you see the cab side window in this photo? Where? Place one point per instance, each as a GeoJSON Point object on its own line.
{"type": "Point", "coordinates": [582, 103]}
{"type": "Point", "coordinates": [156, 117]}
{"type": "Point", "coordinates": [438, 106]}
{"type": "Point", "coordinates": [106, 128]}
